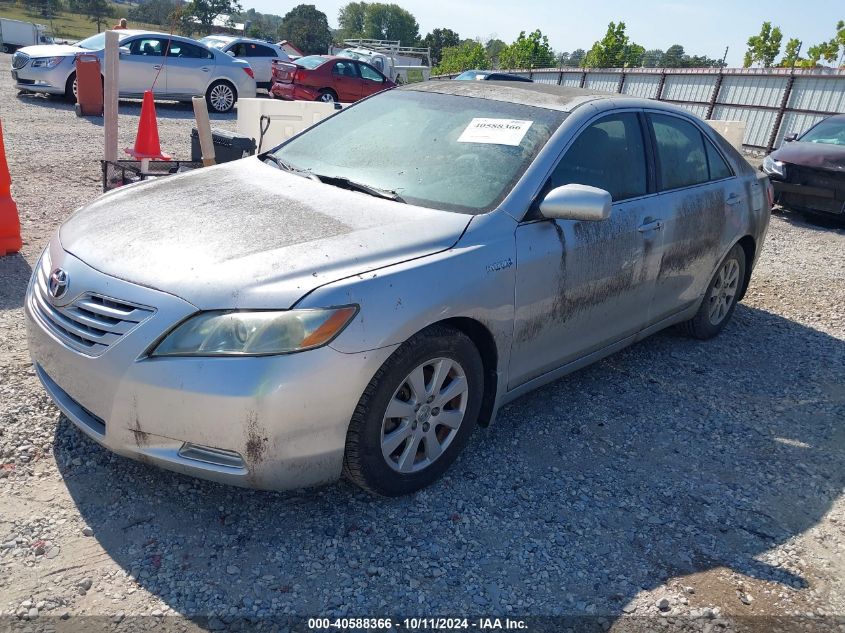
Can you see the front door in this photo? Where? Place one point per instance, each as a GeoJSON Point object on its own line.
{"type": "Point", "coordinates": [581, 286]}
{"type": "Point", "coordinates": [701, 195]}
{"type": "Point", "coordinates": [140, 66]}
{"type": "Point", "coordinates": [372, 80]}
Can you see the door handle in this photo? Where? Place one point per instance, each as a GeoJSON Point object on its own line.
{"type": "Point", "coordinates": [205, 69]}
{"type": "Point", "coordinates": [733, 199]}
{"type": "Point", "coordinates": [656, 225]}
{"type": "Point", "coordinates": [157, 67]}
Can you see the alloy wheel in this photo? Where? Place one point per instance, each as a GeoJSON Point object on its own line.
{"type": "Point", "coordinates": [724, 291]}
{"type": "Point", "coordinates": [424, 415]}
{"type": "Point", "coordinates": [222, 97]}
{"type": "Point", "coordinates": [326, 97]}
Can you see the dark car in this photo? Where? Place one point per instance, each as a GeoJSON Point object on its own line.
{"type": "Point", "coordinates": [489, 75]}
{"type": "Point", "coordinates": [808, 171]}
{"type": "Point", "coordinates": [326, 78]}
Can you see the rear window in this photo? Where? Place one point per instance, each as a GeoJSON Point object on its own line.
{"type": "Point", "coordinates": [441, 151]}
{"type": "Point", "coordinates": [312, 61]}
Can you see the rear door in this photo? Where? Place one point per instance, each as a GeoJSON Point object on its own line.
{"type": "Point", "coordinates": [582, 286]}
{"type": "Point", "coordinates": [189, 69]}
{"type": "Point", "coordinates": [703, 200]}
{"type": "Point", "coordinates": [140, 66]}
{"type": "Point", "coordinates": [372, 81]}
{"type": "Point", "coordinates": [346, 80]}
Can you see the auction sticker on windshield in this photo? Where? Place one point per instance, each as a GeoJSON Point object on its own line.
{"type": "Point", "coordinates": [495, 131]}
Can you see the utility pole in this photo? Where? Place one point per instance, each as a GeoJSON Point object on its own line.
{"type": "Point", "coordinates": [725, 56]}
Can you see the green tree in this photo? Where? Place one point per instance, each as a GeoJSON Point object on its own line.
{"type": "Point", "coordinates": [653, 58]}
{"type": "Point", "coordinates": [763, 47]}
{"type": "Point", "coordinates": [98, 11]}
{"type": "Point", "coordinates": [351, 20]}
{"type": "Point", "coordinates": [153, 12]}
{"type": "Point", "coordinates": [494, 48]}
{"type": "Point", "coordinates": [791, 55]}
{"type": "Point", "coordinates": [306, 27]}
{"type": "Point", "coordinates": [576, 58]}
{"type": "Point", "coordinates": [673, 57]}
{"type": "Point", "coordinates": [439, 39]}
{"type": "Point", "coordinates": [634, 55]}
{"type": "Point", "coordinates": [528, 51]}
{"type": "Point", "coordinates": [47, 9]}
{"type": "Point", "coordinates": [468, 55]}
{"type": "Point", "coordinates": [199, 15]}
{"type": "Point", "coordinates": [610, 51]}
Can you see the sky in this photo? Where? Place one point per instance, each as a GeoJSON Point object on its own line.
{"type": "Point", "coordinates": [704, 27]}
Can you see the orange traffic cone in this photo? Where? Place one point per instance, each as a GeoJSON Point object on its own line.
{"type": "Point", "coordinates": [146, 142]}
{"type": "Point", "coordinates": [10, 226]}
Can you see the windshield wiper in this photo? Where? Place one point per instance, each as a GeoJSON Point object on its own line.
{"type": "Point", "coordinates": [278, 162]}
{"type": "Point", "coordinates": [345, 183]}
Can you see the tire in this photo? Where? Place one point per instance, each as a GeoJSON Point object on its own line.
{"type": "Point", "coordinates": [221, 97]}
{"type": "Point", "coordinates": [327, 95]}
{"type": "Point", "coordinates": [721, 297]}
{"type": "Point", "coordinates": [426, 445]}
{"type": "Point", "coordinates": [7, 48]}
{"type": "Point", "coordinates": [70, 88]}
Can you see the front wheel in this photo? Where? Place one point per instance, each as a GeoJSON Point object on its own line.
{"type": "Point", "coordinates": [721, 298]}
{"type": "Point", "coordinates": [221, 97]}
{"type": "Point", "coordinates": [71, 88]}
{"type": "Point", "coordinates": [416, 414]}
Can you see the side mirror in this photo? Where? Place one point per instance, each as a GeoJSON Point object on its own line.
{"type": "Point", "coordinates": [793, 136]}
{"type": "Point", "coordinates": [124, 50]}
{"type": "Point", "coordinates": [576, 202]}
{"type": "Point", "coordinates": [230, 53]}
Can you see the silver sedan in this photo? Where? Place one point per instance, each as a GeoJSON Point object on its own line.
{"type": "Point", "coordinates": [178, 67]}
{"type": "Point", "coordinates": [358, 299]}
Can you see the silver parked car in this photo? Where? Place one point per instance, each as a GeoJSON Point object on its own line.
{"type": "Point", "coordinates": [180, 67]}
{"type": "Point", "coordinates": [258, 54]}
{"type": "Point", "coordinates": [358, 299]}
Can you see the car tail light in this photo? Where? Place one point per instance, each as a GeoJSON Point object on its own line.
{"type": "Point", "coordinates": [297, 75]}
{"type": "Point", "coordinates": [249, 72]}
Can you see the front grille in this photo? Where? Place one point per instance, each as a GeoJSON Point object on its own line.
{"type": "Point", "coordinates": [90, 324]}
{"type": "Point", "coordinates": [19, 60]}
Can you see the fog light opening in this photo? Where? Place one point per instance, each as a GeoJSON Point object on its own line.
{"type": "Point", "coordinates": [209, 455]}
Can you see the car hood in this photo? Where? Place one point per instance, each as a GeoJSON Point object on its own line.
{"type": "Point", "coordinates": [53, 50]}
{"type": "Point", "coordinates": [247, 235]}
{"type": "Point", "coordinates": [816, 155]}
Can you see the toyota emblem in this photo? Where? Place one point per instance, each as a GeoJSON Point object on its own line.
{"type": "Point", "coordinates": [57, 284]}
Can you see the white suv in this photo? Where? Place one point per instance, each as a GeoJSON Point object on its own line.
{"type": "Point", "coordinates": [180, 67]}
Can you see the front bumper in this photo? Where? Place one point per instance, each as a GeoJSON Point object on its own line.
{"type": "Point", "coordinates": [809, 189]}
{"type": "Point", "coordinates": [274, 422]}
{"type": "Point", "coordinates": [49, 80]}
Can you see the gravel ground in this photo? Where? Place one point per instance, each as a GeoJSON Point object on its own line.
{"type": "Point", "coordinates": [696, 484]}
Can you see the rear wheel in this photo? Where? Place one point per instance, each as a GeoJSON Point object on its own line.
{"type": "Point", "coordinates": [721, 298]}
{"type": "Point", "coordinates": [327, 95]}
{"type": "Point", "coordinates": [221, 97]}
{"type": "Point", "coordinates": [416, 414]}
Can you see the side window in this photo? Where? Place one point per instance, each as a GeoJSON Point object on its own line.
{"type": "Point", "coordinates": [238, 50]}
{"type": "Point", "coordinates": [681, 157]}
{"type": "Point", "coordinates": [718, 167]}
{"type": "Point", "coordinates": [371, 74]}
{"type": "Point", "coordinates": [256, 50]}
{"type": "Point", "coordinates": [346, 69]}
{"type": "Point", "coordinates": [149, 46]}
{"type": "Point", "coordinates": [610, 155]}
{"type": "Point", "coordinates": [189, 51]}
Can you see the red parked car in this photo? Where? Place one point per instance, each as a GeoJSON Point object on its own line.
{"type": "Point", "coordinates": [326, 78]}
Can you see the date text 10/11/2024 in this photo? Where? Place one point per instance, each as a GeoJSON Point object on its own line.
{"type": "Point", "coordinates": [417, 624]}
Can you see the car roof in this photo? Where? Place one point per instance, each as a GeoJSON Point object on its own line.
{"type": "Point", "coordinates": [548, 96]}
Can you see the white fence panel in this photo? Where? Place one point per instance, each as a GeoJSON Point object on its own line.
{"type": "Point", "coordinates": [759, 122]}
{"type": "Point", "coordinates": [644, 86]}
{"type": "Point", "coordinates": [822, 94]}
{"type": "Point", "coordinates": [688, 88]}
{"type": "Point", "coordinates": [606, 82]}
{"type": "Point", "coordinates": [758, 90]}
{"type": "Point", "coordinates": [571, 80]}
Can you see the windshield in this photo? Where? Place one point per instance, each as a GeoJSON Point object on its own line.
{"type": "Point", "coordinates": [98, 42]}
{"type": "Point", "coordinates": [435, 150]}
{"type": "Point", "coordinates": [311, 62]}
{"type": "Point", "coordinates": [214, 42]}
{"type": "Point", "coordinates": [829, 131]}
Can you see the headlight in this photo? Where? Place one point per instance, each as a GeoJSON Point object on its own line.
{"type": "Point", "coordinates": [774, 167]}
{"type": "Point", "coordinates": [46, 62]}
{"type": "Point", "coordinates": [224, 333]}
